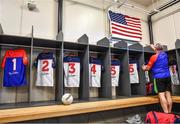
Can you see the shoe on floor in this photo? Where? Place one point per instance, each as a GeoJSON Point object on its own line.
{"type": "Point", "coordinates": [134, 120]}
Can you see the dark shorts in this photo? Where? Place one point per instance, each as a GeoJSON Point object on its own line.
{"type": "Point", "coordinates": [162, 84]}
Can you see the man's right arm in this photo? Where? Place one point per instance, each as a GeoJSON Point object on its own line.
{"type": "Point", "coordinates": [150, 63]}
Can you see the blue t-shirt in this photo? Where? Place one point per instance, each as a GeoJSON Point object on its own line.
{"type": "Point", "coordinates": [159, 65]}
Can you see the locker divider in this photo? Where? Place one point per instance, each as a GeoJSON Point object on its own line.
{"type": "Point", "coordinates": [136, 53]}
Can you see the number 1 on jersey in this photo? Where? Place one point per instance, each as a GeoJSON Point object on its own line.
{"type": "Point", "coordinates": [14, 64]}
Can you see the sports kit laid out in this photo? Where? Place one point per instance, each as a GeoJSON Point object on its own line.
{"type": "Point", "coordinates": [15, 61]}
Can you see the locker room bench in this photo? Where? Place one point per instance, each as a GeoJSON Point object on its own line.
{"type": "Point", "coordinates": [33, 113]}
{"type": "Point", "coordinates": [176, 99]}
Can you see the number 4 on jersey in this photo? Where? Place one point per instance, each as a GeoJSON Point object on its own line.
{"type": "Point", "coordinates": [93, 68]}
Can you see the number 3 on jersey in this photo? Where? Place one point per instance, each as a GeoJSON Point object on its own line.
{"type": "Point", "coordinates": [45, 65]}
{"type": "Point", "coordinates": [72, 68]}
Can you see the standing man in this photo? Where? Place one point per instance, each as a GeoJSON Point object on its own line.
{"type": "Point", "coordinates": [158, 63]}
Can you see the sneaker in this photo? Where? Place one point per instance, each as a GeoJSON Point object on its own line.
{"type": "Point", "coordinates": [134, 120]}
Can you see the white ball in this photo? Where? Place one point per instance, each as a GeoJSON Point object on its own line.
{"type": "Point", "coordinates": [67, 99]}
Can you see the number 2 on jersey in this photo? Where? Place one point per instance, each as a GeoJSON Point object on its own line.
{"type": "Point", "coordinates": [45, 65]}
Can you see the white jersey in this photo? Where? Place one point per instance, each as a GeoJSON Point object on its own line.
{"type": "Point", "coordinates": [95, 72]}
{"type": "Point", "coordinates": [115, 69]}
{"type": "Point", "coordinates": [174, 75]}
{"type": "Point", "coordinates": [45, 63]}
{"type": "Point", "coordinates": [72, 71]}
{"type": "Point", "coordinates": [134, 78]}
{"type": "Point", "coordinates": [147, 76]}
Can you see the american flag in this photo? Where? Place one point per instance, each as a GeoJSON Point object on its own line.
{"type": "Point", "coordinates": [125, 27]}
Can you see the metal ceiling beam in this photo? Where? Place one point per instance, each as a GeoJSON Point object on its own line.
{"type": "Point", "coordinates": [1, 29]}
{"type": "Point", "coordinates": [59, 35]}
{"type": "Point", "coordinates": [161, 8]}
{"type": "Point", "coordinates": [60, 15]}
{"type": "Point", "coordinates": [151, 38]}
{"type": "Point", "coordinates": [165, 6]}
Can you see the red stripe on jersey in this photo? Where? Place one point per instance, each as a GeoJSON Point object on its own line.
{"type": "Point", "coordinates": [15, 54]}
{"type": "Point", "coordinates": [152, 60]}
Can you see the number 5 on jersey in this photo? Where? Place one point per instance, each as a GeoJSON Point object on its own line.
{"type": "Point", "coordinates": [113, 70]}
{"type": "Point", "coordinates": [134, 78]}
